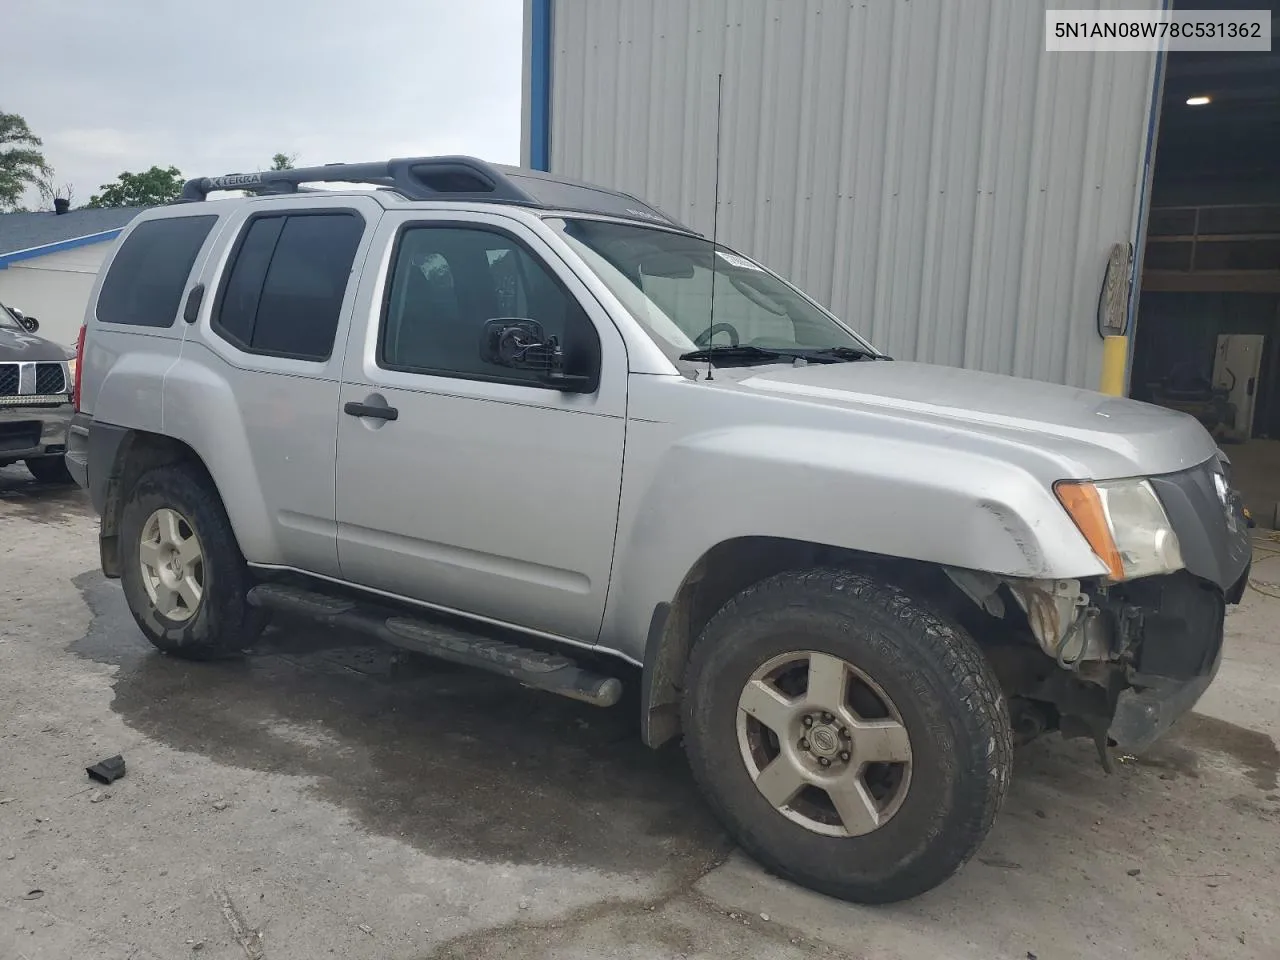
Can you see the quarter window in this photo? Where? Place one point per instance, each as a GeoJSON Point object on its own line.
{"type": "Point", "coordinates": [144, 284]}
{"type": "Point", "coordinates": [283, 293]}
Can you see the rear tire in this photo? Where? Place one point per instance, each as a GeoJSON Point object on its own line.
{"type": "Point", "coordinates": [822, 679]}
{"type": "Point", "coordinates": [184, 577]}
{"type": "Point", "coordinates": [50, 470]}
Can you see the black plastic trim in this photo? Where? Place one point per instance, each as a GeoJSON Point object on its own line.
{"type": "Point", "coordinates": [354, 408]}
{"type": "Point", "coordinates": [105, 440]}
{"type": "Point", "coordinates": [649, 669]}
{"type": "Point", "coordinates": [191, 309]}
{"type": "Point", "coordinates": [1214, 539]}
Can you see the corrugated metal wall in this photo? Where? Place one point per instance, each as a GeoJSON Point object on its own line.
{"type": "Point", "coordinates": [923, 167]}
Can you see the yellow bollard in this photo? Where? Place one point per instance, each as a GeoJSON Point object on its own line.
{"type": "Point", "coordinates": [1115, 353]}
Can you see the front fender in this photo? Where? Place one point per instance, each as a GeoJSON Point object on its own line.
{"type": "Point", "coordinates": [878, 495]}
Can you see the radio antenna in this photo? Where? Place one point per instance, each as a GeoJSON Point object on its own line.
{"type": "Point", "coordinates": [715, 224]}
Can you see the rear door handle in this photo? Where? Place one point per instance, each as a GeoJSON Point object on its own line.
{"type": "Point", "coordinates": [357, 409]}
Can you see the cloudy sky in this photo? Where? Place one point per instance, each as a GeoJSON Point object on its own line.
{"type": "Point", "coordinates": [219, 87]}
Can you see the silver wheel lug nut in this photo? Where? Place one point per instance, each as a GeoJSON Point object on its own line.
{"type": "Point", "coordinates": [845, 756]}
{"type": "Point", "coordinates": [807, 720]}
{"type": "Point", "coordinates": [824, 761]}
{"type": "Point", "coordinates": [804, 744]}
{"type": "Point", "coordinates": [827, 718]}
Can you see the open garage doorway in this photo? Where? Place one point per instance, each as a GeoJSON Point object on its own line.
{"type": "Point", "coordinates": [1207, 340]}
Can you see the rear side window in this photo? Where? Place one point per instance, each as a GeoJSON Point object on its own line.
{"type": "Point", "coordinates": [282, 295]}
{"type": "Point", "coordinates": [143, 287]}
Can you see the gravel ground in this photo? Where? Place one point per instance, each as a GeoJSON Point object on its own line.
{"type": "Point", "coordinates": [327, 797]}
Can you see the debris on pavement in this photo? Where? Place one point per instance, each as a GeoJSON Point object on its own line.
{"type": "Point", "coordinates": [108, 770]}
{"type": "Point", "coordinates": [5, 800]}
{"type": "Point", "coordinates": [98, 796]}
{"type": "Point", "coordinates": [34, 894]}
{"type": "Point", "coordinates": [365, 928]}
{"type": "Point", "coordinates": [250, 940]}
{"type": "Point", "coordinates": [1134, 872]}
{"type": "Point", "coordinates": [221, 804]}
{"type": "Point", "coordinates": [1000, 862]}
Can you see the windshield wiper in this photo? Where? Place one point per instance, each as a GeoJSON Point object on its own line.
{"type": "Point", "coordinates": [840, 353]}
{"type": "Point", "coordinates": [722, 354]}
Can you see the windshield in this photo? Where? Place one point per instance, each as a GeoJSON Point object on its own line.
{"type": "Point", "coordinates": [664, 279]}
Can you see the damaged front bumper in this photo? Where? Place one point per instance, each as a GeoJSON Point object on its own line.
{"type": "Point", "coordinates": [1125, 660]}
{"type": "Point", "coordinates": [1144, 713]}
{"type": "Point", "coordinates": [1174, 654]}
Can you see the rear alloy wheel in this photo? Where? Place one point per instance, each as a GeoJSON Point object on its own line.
{"type": "Point", "coordinates": [849, 738]}
{"type": "Point", "coordinates": [172, 564]}
{"type": "Point", "coordinates": [182, 571]}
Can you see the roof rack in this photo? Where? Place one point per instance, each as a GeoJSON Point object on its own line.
{"type": "Point", "coordinates": [442, 178]}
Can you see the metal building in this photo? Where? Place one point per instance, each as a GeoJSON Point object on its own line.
{"type": "Point", "coordinates": [922, 167]}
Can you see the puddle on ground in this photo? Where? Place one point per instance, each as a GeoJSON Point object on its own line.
{"type": "Point", "coordinates": [455, 761]}
{"type": "Point", "coordinates": [22, 496]}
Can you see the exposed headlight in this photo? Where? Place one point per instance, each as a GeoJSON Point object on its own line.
{"type": "Point", "coordinates": [71, 373]}
{"type": "Point", "coordinates": [1125, 525]}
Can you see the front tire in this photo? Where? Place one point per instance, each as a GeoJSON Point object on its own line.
{"type": "Point", "coordinates": [183, 575]}
{"type": "Point", "coordinates": [850, 739]}
{"type": "Point", "coordinates": [51, 470]}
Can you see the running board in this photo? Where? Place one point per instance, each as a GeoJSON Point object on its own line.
{"type": "Point", "coordinates": [545, 671]}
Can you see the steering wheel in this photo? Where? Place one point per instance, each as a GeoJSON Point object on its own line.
{"type": "Point", "coordinates": [704, 338]}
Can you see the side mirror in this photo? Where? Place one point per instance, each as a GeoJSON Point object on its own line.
{"type": "Point", "coordinates": [31, 323]}
{"type": "Point", "coordinates": [523, 344]}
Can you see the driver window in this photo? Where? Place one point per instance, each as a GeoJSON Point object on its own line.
{"type": "Point", "coordinates": [447, 282]}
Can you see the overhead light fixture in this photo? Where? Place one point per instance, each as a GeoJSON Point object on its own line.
{"type": "Point", "coordinates": [1197, 101]}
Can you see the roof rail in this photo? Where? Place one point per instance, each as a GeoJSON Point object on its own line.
{"type": "Point", "coordinates": [441, 178]}
{"type": "Point", "coordinates": [416, 178]}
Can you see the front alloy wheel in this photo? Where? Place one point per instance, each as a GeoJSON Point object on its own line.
{"type": "Point", "coordinates": [849, 737]}
{"type": "Point", "coordinates": [824, 744]}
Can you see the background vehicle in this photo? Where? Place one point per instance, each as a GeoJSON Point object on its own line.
{"type": "Point", "coordinates": [35, 398]}
{"type": "Point", "coordinates": [512, 420]}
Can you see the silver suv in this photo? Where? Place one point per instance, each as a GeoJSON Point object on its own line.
{"type": "Point", "coordinates": [537, 427]}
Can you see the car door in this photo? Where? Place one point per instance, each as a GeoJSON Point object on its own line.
{"type": "Point", "coordinates": [490, 492]}
{"type": "Point", "coordinates": [268, 344]}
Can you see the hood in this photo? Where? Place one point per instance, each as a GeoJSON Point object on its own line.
{"type": "Point", "coordinates": [18, 346]}
{"type": "Point", "coordinates": [1108, 436]}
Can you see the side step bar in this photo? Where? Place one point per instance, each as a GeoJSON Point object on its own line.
{"type": "Point", "coordinates": [545, 671]}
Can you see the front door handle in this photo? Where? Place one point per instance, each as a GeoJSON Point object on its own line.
{"type": "Point", "coordinates": [357, 409]}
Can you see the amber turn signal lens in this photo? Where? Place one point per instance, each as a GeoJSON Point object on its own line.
{"type": "Point", "coordinates": [1083, 503]}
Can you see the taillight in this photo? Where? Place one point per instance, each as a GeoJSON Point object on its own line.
{"type": "Point", "coordinates": [75, 389]}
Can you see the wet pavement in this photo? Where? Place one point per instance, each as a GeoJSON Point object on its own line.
{"type": "Point", "coordinates": [446, 758]}
{"type": "Point", "coordinates": [324, 796]}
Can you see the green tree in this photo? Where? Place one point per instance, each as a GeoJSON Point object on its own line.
{"type": "Point", "coordinates": [147, 189]}
{"type": "Point", "coordinates": [22, 165]}
{"type": "Point", "coordinates": [283, 161]}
